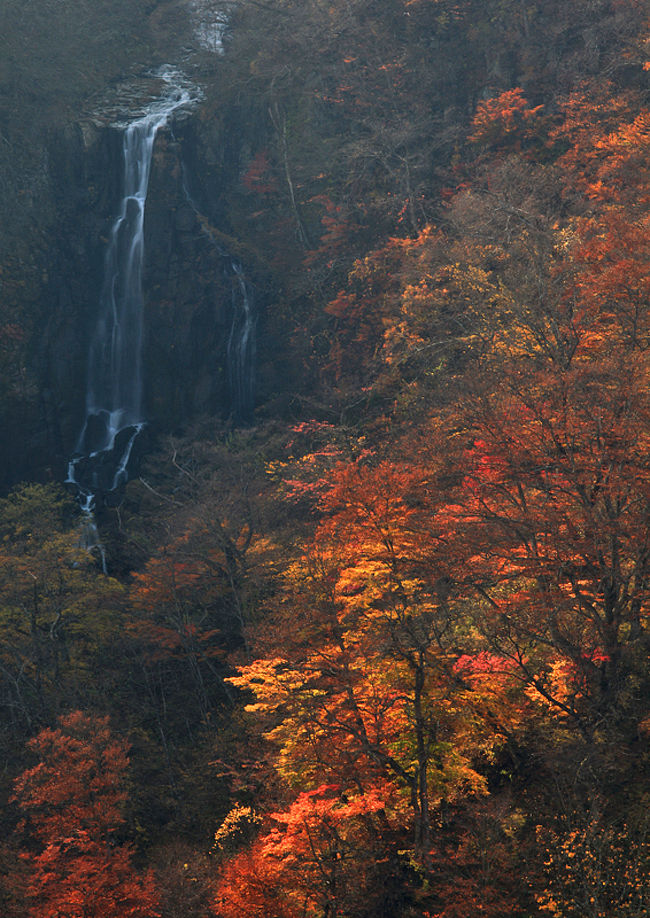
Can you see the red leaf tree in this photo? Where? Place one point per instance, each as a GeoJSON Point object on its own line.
{"type": "Point", "coordinates": [72, 801]}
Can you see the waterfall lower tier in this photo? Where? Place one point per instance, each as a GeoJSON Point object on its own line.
{"type": "Point", "coordinates": [105, 453]}
{"type": "Point", "coordinates": [89, 539]}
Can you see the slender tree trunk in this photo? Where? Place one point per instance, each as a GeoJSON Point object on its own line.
{"type": "Point", "coordinates": [423, 822]}
{"type": "Point", "coordinates": [280, 124]}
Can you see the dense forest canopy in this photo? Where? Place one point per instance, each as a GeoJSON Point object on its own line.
{"type": "Point", "coordinates": [384, 650]}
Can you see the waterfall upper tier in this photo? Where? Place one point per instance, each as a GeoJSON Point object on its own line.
{"type": "Point", "coordinates": [144, 96]}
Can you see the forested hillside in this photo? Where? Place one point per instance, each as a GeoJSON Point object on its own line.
{"type": "Point", "coordinates": [383, 649]}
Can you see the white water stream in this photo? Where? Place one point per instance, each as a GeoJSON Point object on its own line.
{"type": "Point", "coordinates": [114, 411]}
{"type": "Point", "coordinates": [241, 347]}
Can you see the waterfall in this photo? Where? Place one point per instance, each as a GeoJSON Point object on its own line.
{"type": "Point", "coordinates": [241, 347]}
{"type": "Point", "coordinates": [114, 411]}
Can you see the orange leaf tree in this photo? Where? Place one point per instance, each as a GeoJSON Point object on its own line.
{"type": "Point", "coordinates": [72, 802]}
{"type": "Point", "coordinates": [367, 692]}
{"type": "Point", "coordinates": [317, 857]}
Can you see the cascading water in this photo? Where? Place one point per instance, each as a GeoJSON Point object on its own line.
{"type": "Point", "coordinates": [241, 347]}
{"type": "Point", "coordinates": [114, 412]}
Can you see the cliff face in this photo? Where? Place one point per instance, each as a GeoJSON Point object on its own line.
{"type": "Point", "coordinates": [188, 293]}
{"type": "Point", "coordinates": [51, 262]}
{"type": "Point", "coordinates": [52, 272]}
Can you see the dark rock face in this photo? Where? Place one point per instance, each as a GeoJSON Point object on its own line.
{"type": "Point", "coordinates": [85, 180]}
{"type": "Point", "coordinates": [187, 299]}
{"type": "Point", "coordinates": [52, 296]}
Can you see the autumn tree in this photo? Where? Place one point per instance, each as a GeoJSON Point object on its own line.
{"type": "Point", "coordinates": [478, 589]}
{"type": "Point", "coordinates": [316, 857]}
{"type": "Point", "coordinates": [595, 870]}
{"type": "Point", "coordinates": [363, 687]}
{"type": "Point", "coordinates": [72, 803]}
{"type": "Point", "coordinates": [60, 615]}
{"type": "Point", "coordinates": [557, 472]}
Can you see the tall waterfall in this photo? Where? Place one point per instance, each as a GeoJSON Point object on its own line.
{"type": "Point", "coordinates": [114, 411]}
